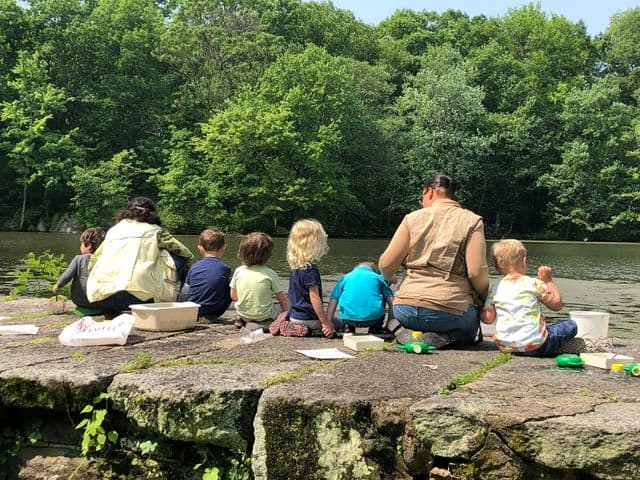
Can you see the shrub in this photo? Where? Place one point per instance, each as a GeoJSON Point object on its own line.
{"type": "Point", "coordinates": [37, 274]}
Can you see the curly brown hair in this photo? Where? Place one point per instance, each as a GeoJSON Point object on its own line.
{"type": "Point", "coordinates": [93, 237]}
{"type": "Point", "coordinates": [140, 209]}
{"type": "Point", "coordinates": [255, 249]}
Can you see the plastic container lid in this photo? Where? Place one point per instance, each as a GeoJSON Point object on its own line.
{"type": "Point", "coordinates": [416, 334]}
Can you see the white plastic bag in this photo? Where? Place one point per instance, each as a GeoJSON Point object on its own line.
{"type": "Point", "coordinates": [86, 332]}
{"type": "Point", "coordinates": [28, 329]}
{"type": "Point", "coordinates": [251, 336]}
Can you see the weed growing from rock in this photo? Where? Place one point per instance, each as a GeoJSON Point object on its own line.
{"type": "Point", "coordinates": [37, 274]}
{"type": "Point", "coordinates": [10, 447]}
{"type": "Point", "coordinates": [285, 377]}
{"type": "Point", "coordinates": [142, 361]}
{"type": "Point", "coordinates": [35, 341]}
{"type": "Point", "coordinates": [94, 437]}
{"type": "Point", "coordinates": [469, 377]}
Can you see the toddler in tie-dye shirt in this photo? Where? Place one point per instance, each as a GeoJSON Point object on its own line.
{"type": "Point", "coordinates": [514, 303]}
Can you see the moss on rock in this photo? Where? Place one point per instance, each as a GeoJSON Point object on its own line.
{"type": "Point", "coordinates": [18, 392]}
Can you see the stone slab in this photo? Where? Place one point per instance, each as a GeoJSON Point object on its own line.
{"type": "Point", "coordinates": [379, 415]}
{"type": "Point", "coordinates": [584, 420]}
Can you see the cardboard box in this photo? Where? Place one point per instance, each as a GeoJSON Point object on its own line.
{"type": "Point", "coordinates": [605, 359]}
{"type": "Point", "coordinates": [165, 317]}
{"type": "Point", "coordinates": [362, 342]}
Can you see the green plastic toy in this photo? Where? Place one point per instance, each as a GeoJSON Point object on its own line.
{"type": "Point", "coordinates": [416, 347]}
{"type": "Point", "coordinates": [569, 360]}
{"type": "Point", "coordinates": [633, 369]}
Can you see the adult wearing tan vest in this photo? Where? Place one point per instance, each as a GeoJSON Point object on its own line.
{"type": "Point", "coordinates": [443, 250]}
{"type": "Point", "coordinates": [138, 261]}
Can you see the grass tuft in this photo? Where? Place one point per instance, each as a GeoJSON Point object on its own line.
{"type": "Point", "coordinates": [142, 361]}
{"type": "Point", "coordinates": [469, 377]}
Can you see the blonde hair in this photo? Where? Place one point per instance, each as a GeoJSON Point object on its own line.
{"type": "Point", "coordinates": [507, 253]}
{"type": "Point", "coordinates": [307, 243]}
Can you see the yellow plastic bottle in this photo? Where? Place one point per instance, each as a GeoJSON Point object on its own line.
{"type": "Point", "coordinates": [617, 369]}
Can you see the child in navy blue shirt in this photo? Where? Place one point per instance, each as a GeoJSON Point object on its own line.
{"type": "Point", "coordinates": [360, 297]}
{"type": "Point", "coordinates": [208, 280]}
{"type": "Point", "coordinates": [306, 245]}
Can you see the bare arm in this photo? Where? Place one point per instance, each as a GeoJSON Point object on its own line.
{"type": "Point", "coordinates": [553, 300]}
{"type": "Point", "coordinates": [488, 315]}
{"type": "Point", "coordinates": [390, 311]}
{"type": "Point", "coordinates": [234, 294]}
{"type": "Point", "coordinates": [316, 302]}
{"type": "Point", "coordinates": [395, 253]}
{"type": "Point", "coordinates": [476, 260]}
{"type": "Point", "coordinates": [331, 309]}
{"type": "Point", "coordinates": [283, 301]}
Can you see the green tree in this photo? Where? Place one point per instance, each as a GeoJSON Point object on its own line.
{"type": "Point", "coordinates": [184, 186]}
{"type": "Point", "coordinates": [213, 50]}
{"type": "Point", "coordinates": [528, 64]}
{"type": "Point", "coordinates": [102, 189]}
{"type": "Point", "coordinates": [595, 189]}
{"type": "Point", "coordinates": [321, 23]}
{"type": "Point", "coordinates": [103, 52]}
{"type": "Point", "coordinates": [440, 120]}
{"type": "Point", "coordinates": [296, 146]}
{"type": "Point", "coordinates": [38, 147]}
{"type": "Point", "coordinates": [620, 50]}
{"type": "Point", "coordinates": [406, 35]}
{"type": "Point", "coordinates": [14, 27]}
{"type": "Point", "coordinates": [527, 55]}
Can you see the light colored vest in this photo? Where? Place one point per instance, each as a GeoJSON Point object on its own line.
{"type": "Point", "coordinates": [436, 274]}
{"type": "Point", "coordinates": [129, 260]}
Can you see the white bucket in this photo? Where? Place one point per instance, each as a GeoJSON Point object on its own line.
{"type": "Point", "coordinates": [592, 325]}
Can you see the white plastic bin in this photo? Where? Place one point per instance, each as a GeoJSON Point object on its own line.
{"type": "Point", "coordinates": [592, 325]}
{"type": "Point", "coordinates": [165, 317]}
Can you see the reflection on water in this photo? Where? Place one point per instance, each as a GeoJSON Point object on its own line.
{"type": "Point", "coordinates": [591, 276]}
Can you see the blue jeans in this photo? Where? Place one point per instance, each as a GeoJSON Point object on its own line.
{"type": "Point", "coordinates": [461, 328]}
{"type": "Point", "coordinates": [558, 333]}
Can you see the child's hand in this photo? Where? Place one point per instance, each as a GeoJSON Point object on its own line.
{"type": "Point", "coordinates": [55, 288]}
{"type": "Point", "coordinates": [328, 332]}
{"type": "Point", "coordinates": [544, 273]}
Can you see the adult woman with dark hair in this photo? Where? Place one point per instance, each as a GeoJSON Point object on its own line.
{"type": "Point", "coordinates": [138, 262]}
{"type": "Point", "coordinates": [443, 250]}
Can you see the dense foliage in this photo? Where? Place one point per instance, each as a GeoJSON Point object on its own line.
{"type": "Point", "coordinates": [251, 114]}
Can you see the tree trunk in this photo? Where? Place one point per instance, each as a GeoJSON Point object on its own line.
{"type": "Point", "coordinates": [24, 205]}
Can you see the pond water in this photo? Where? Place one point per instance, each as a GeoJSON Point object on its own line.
{"type": "Point", "coordinates": [591, 276]}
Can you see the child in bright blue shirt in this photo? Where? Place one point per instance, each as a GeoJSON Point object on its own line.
{"type": "Point", "coordinates": [360, 298]}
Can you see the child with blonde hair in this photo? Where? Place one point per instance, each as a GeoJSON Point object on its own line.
{"type": "Point", "coordinates": [254, 285]}
{"type": "Point", "coordinates": [306, 245]}
{"type": "Point", "coordinates": [514, 304]}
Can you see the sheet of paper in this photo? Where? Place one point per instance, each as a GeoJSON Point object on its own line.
{"type": "Point", "coordinates": [325, 353]}
{"type": "Point", "coordinates": [18, 329]}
